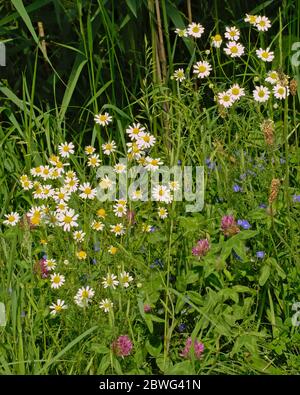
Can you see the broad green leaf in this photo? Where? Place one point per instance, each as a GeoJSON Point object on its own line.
{"type": "Point", "coordinates": [264, 275]}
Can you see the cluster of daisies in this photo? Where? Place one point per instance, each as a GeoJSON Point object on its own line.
{"type": "Point", "coordinates": [57, 191]}
{"type": "Point", "coordinates": [84, 296]}
{"type": "Point", "coordinates": [234, 49]}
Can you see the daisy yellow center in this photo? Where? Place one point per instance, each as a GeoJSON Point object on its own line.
{"type": "Point", "coordinates": [113, 250]}
{"type": "Point", "coordinates": [58, 308]}
{"type": "Point", "coordinates": [201, 69]}
{"type": "Point", "coordinates": [38, 170]}
{"type": "Point", "coordinates": [72, 183]}
{"type": "Point", "coordinates": [59, 165]}
{"type": "Point", "coordinates": [103, 118]}
{"type": "Point", "coordinates": [232, 33]}
{"type": "Point", "coordinates": [67, 219]}
{"type": "Point", "coordinates": [281, 91]}
{"type": "Point", "coordinates": [93, 161]}
{"type": "Point", "coordinates": [161, 192]}
{"type": "Point", "coordinates": [87, 191]}
{"type": "Point", "coordinates": [252, 18]}
{"type": "Point", "coordinates": [118, 228]}
{"type": "Point", "coordinates": [11, 218]}
{"type": "Point", "coordinates": [135, 131]}
{"type": "Point", "coordinates": [46, 171]}
{"type": "Point", "coordinates": [261, 93]}
{"type": "Point", "coordinates": [265, 55]}
{"type": "Point", "coordinates": [196, 29]}
{"type": "Point", "coordinates": [101, 212]}
{"type": "Point", "coordinates": [61, 195]}
{"type": "Point", "coordinates": [218, 37]}
{"type": "Point", "coordinates": [154, 162]}
{"type": "Point", "coordinates": [36, 219]}
{"type": "Point", "coordinates": [120, 209]}
{"type": "Point", "coordinates": [66, 148]}
{"type": "Point", "coordinates": [85, 294]}
{"type": "Point", "coordinates": [226, 98]}
{"type": "Point", "coordinates": [26, 183]}
{"type": "Point", "coordinates": [235, 91]}
{"type": "Point", "coordinates": [262, 23]}
{"type": "Point", "coordinates": [108, 146]}
{"type": "Point", "coordinates": [56, 280]}
{"type": "Point", "coordinates": [162, 211]}
{"type": "Point", "coordinates": [109, 281]}
{"type": "Point", "coordinates": [273, 75]}
{"type": "Point", "coordinates": [146, 139]}
{"type": "Point", "coordinates": [234, 49]}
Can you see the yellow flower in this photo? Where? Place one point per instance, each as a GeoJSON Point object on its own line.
{"type": "Point", "coordinates": [112, 250]}
{"type": "Point", "coordinates": [101, 213]}
{"type": "Point", "coordinates": [81, 255]}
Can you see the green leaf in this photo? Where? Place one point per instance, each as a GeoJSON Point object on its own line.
{"type": "Point", "coordinates": [181, 368]}
{"type": "Point", "coordinates": [132, 5]}
{"type": "Point", "coordinates": [153, 349]}
{"type": "Point", "coordinates": [264, 275]}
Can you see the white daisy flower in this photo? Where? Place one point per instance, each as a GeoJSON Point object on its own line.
{"type": "Point", "coordinates": [89, 150]}
{"type": "Point", "coordinates": [281, 92]}
{"type": "Point", "coordinates": [45, 172]}
{"type": "Point", "coordinates": [179, 75]}
{"type": "Point", "coordinates": [26, 183]}
{"type": "Point", "coordinates": [94, 161]}
{"type": "Point", "coordinates": [110, 281]}
{"type": "Point", "coordinates": [136, 195]}
{"type": "Point", "coordinates": [134, 130]}
{"type": "Point", "coordinates": [202, 69]}
{"type": "Point", "coordinates": [181, 32]}
{"type": "Point", "coordinates": [216, 41]}
{"type": "Point", "coordinates": [162, 212]}
{"type": "Point", "coordinates": [47, 191]}
{"type": "Point", "coordinates": [57, 280]}
{"type": "Point", "coordinates": [265, 54]}
{"type": "Point", "coordinates": [87, 192]}
{"type": "Point", "coordinates": [262, 23]}
{"type": "Point", "coordinates": [236, 92]}
{"type": "Point", "coordinates": [261, 93]}
{"type": "Point", "coordinates": [78, 236]}
{"type": "Point", "coordinates": [11, 219]}
{"type": "Point", "coordinates": [251, 19]}
{"type": "Point", "coordinates": [71, 184]}
{"type": "Point", "coordinates": [108, 148]}
{"type": "Point", "coordinates": [145, 140]}
{"type": "Point", "coordinates": [125, 279]}
{"type": "Point", "coordinates": [105, 183]}
{"type": "Point", "coordinates": [174, 185]}
{"type": "Point", "coordinates": [50, 264]}
{"type": "Point", "coordinates": [120, 168]}
{"type": "Point", "coordinates": [272, 77]}
{"type": "Point", "coordinates": [195, 30]}
{"type": "Point", "coordinates": [134, 151]}
{"type": "Point", "coordinates": [152, 164]}
{"type": "Point", "coordinates": [234, 49]}
{"type": "Point", "coordinates": [36, 171]}
{"type": "Point", "coordinates": [106, 305]}
{"type": "Point", "coordinates": [119, 210]}
{"type": "Point", "coordinates": [97, 225]}
{"type": "Point", "coordinates": [225, 99]}
{"type": "Point", "coordinates": [117, 229]}
{"type": "Point", "coordinates": [62, 195]}
{"type": "Point", "coordinates": [103, 119]}
{"type": "Point", "coordinates": [84, 296]}
{"type": "Point", "coordinates": [232, 33]}
{"type": "Point", "coordinates": [58, 307]}
{"type": "Point", "coordinates": [66, 149]}
{"type": "Point", "coordinates": [161, 193]}
{"type": "Point", "coordinates": [61, 207]}
{"type": "Point", "coordinates": [67, 219]}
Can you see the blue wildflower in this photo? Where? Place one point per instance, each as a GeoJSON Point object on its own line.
{"type": "Point", "coordinates": [236, 188]}
{"type": "Point", "coordinates": [296, 198]}
{"type": "Point", "coordinates": [260, 254]}
{"type": "Point", "coordinates": [181, 327]}
{"type": "Point", "coordinates": [244, 223]}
